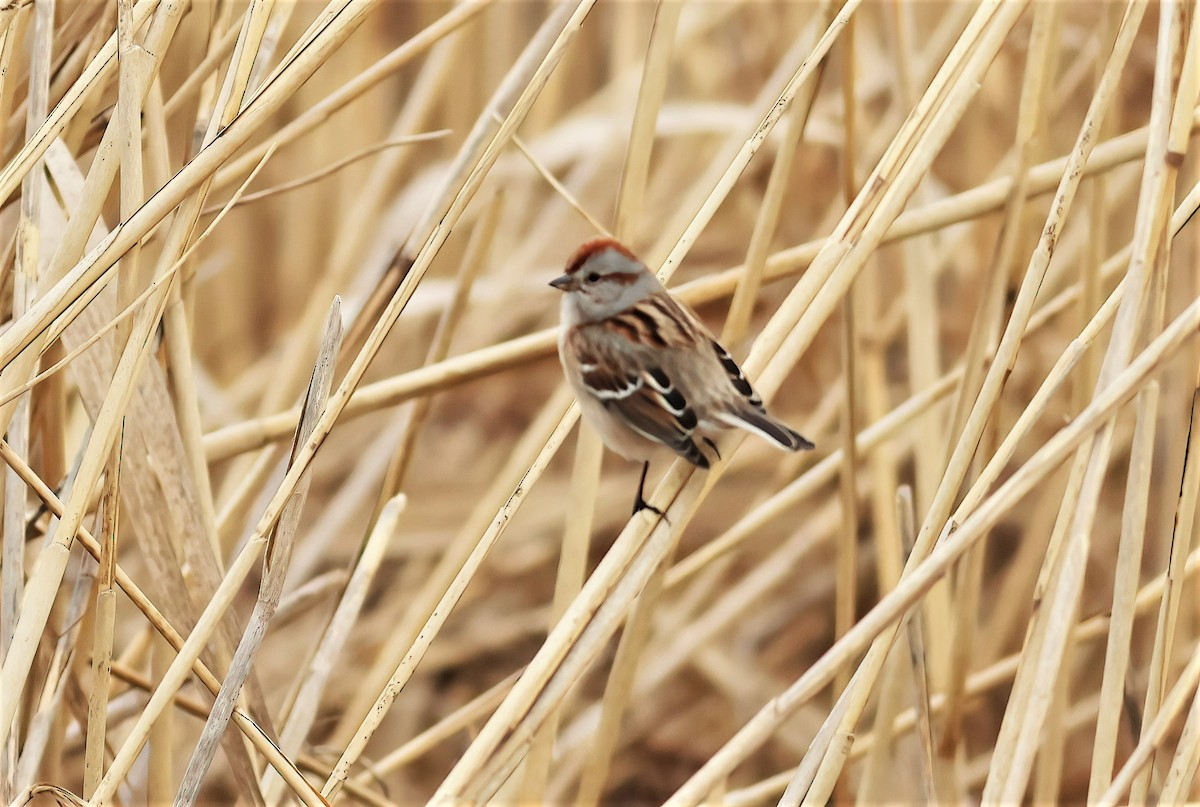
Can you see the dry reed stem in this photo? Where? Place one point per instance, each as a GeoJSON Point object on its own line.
{"type": "Point", "coordinates": [1169, 607]}
{"type": "Point", "coordinates": [807, 71]}
{"type": "Point", "coordinates": [47, 574]}
{"type": "Point", "coordinates": [37, 143]}
{"type": "Point", "coordinates": [1005, 356]}
{"type": "Point", "coordinates": [938, 110]}
{"type": "Point", "coordinates": [1178, 781]}
{"type": "Point", "coordinates": [347, 251]}
{"type": "Point", "coordinates": [1180, 539]}
{"type": "Point", "coordinates": [846, 566]}
{"type": "Point", "coordinates": [253, 731]}
{"type": "Point", "coordinates": [195, 709]}
{"type": "Point", "coordinates": [133, 67]}
{"type": "Point", "coordinates": [1066, 362]}
{"type": "Point", "coordinates": [618, 688]}
{"type": "Point", "coordinates": [801, 784]}
{"type": "Point", "coordinates": [12, 555]}
{"type": "Point", "coordinates": [744, 155]}
{"type": "Point", "coordinates": [1129, 555]}
{"type": "Point", "coordinates": [812, 480]}
{"type": "Point", "coordinates": [675, 480]}
{"type": "Point", "coordinates": [1015, 430]}
{"type": "Point", "coordinates": [737, 320]}
{"type": "Point", "coordinates": [160, 780]}
{"type": "Point", "coordinates": [24, 286]}
{"type": "Point", "coordinates": [255, 433]}
{"type": "Point", "coordinates": [321, 665]}
{"type": "Point", "coordinates": [589, 451]}
{"type": "Point", "coordinates": [543, 64]}
{"type": "Point", "coordinates": [340, 28]}
{"type": "Point", "coordinates": [443, 607]}
{"type": "Point", "coordinates": [553, 182]}
{"type": "Point", "coordinates": [176, 327]}
{"type": "Point", "coordinates": [892, 605]}
{"type": "Point", "coordinates": [723, 612]}
{"type": "Point", "coordinates": [924, 350]}
{"type": "Point", "coordinates": [456, 721]}
{"type": "Point", "coordinates": [917, 654]}
{"type": "Point", "coordinates": [523, 455]}
{"type": "Point", "coordinates": [881, 753]}
{"type": "Point", "coordinates": [133, 592]}
{"type": "Point", "coordinates": [705, 213]}
{"type": "Point", "coordinates": [1155, 731]}
{"type": "Point", "coordinates": [172, 679]}
{"type": "Point", "coordinates": [149, 435]}
{"type": "Point", "coordinates": [333, 168]}
{"type": "Point", "coordinates": [1013, 759]}
{"type": "Point", "coordinates": [979, 682]}
{"type": "Point", "coordinates": [306, 449]}
{"type": "Point", "coordinates": [1030, 119]}
{"type": "Point", "coordinates": [537, 61]}
{"type": "Point", "coordinates": [320, 112]}
{"type": "Point", "coordinates": [340, 21]}
{"type": "Point", "coordinates": [473, 261]}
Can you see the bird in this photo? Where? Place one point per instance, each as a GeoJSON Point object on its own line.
{"type": "Point", "coordinates": [645, 370]}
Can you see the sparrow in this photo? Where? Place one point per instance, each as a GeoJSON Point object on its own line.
{"type": "Point", "coordinates": [645, 370]}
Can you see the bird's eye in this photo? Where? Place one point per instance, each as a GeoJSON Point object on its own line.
{"type": "Point", "coordinates": [593, 277]}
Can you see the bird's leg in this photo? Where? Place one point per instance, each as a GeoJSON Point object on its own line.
{"type": "Point", "coordinates": [640, 503]}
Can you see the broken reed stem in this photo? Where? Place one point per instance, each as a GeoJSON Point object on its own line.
{"type": "Point", "coordinates": [276, 557]}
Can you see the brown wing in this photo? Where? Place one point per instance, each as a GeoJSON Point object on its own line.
{"type": "Point", "coordinates": [645, 400]}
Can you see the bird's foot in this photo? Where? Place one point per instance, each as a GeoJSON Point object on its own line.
{"type": "Point", "coordinates": [641, 504]}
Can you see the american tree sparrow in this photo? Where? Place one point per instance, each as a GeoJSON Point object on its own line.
{"type": "Point", "coordinates": [645, 370]}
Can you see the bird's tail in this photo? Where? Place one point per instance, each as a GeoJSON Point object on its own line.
{"type": "Point", "coordinates": [762, 424]}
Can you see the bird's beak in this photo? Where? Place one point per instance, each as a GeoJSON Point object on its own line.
{"type": "Point", "coordinates": [562, 282]}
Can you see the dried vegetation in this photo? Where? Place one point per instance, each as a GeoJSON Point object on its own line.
{"type": "Point", "coordinates": [950, 241]}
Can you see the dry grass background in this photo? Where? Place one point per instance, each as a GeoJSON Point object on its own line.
{"type": "Point", "coordinates": [949, 240]}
